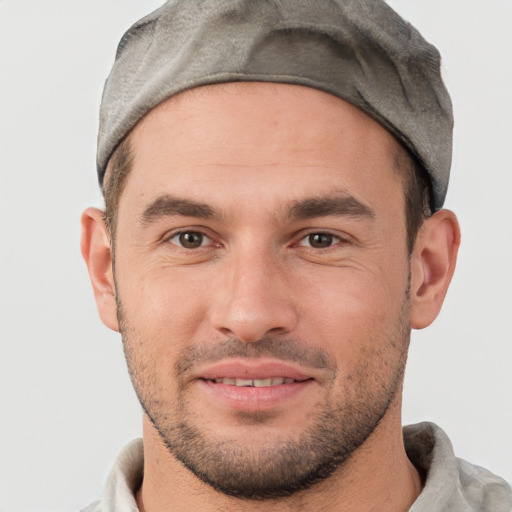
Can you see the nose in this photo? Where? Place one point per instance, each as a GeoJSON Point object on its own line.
{"type": "Point", "coordinates": [253, 298]}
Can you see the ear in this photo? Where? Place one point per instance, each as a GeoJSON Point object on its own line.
{"type": "Point", "coordinates": [97, 253]}
{"type": "Point", "coordinates": [432, 266]}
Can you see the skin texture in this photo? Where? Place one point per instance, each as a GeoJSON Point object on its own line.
{"type": "Point", "coordinates": [295, 263]}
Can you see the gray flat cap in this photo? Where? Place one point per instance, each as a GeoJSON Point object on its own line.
{"type": "Point", "coordinates": [358, 50]}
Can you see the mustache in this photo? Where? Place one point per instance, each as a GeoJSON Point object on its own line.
{"type": "Point", "coordinates": [290, 350]}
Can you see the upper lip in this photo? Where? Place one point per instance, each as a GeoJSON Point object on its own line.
{"type": "Point", "coordinates": [245, 368]}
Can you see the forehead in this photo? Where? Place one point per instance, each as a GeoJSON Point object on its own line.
{"type": "Point", "coordinates": [259, 135]}
{"type": "Point", "coordinates": [281, 112]}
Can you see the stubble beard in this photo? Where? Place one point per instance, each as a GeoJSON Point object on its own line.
{"type": "Point", "coordinates": [274, 468]}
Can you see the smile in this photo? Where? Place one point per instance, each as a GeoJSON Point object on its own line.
{"type": "Point", "coordinates": [257, 383]}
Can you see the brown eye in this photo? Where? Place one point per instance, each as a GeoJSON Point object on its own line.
{"type": "Point", "coordinates": [319, 240]}
{"type": "Point", "coordinates": [189, 239]}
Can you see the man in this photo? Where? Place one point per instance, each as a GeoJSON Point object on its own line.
{"type": "Point", "coordinates": [274, 175]}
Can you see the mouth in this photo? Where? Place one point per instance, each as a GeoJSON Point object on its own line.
{"type": "Point", "coordinates": [253, 385]}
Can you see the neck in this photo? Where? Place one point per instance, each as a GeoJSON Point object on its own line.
{"type": "Point", "coordinates": [377, 477]}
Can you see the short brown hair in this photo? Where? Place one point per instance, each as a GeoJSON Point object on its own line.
{"type": "Point", "coordinates": [416, 183]}
{"type": "Point", "coordinates": [417, 193]}
{"type": "Point", "coordinates": [118, 168]}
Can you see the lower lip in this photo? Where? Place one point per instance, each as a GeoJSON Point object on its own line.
{"type": "Point", "coordinates": [254, 399]}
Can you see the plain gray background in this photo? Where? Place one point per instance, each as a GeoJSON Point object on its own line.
{"type": "Point", "coordinates": [66, 403]}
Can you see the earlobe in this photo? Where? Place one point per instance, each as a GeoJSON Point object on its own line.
{"type": "Point", "coordinates": [96, 251]}
{"type": "Point", "coordinates": [432, 266]}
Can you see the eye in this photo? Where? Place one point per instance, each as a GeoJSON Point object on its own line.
{"type": "Point", "coordinates": [190, 239]}
{"type": "Point", "coordinates": [319, 240]}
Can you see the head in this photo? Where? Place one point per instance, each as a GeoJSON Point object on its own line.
{"type": "Point", "coordinates": [275, 248]}
{"type": "Point", "coordinates": [266, 252]}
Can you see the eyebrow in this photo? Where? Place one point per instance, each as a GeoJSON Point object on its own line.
{"type": "Point", "coordinates": [166, 206]}
{"type": "Point", "coordinates": [336, 205]}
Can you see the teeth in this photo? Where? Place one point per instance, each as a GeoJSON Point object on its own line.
{"type": "Point", "coordinates": [232, 382]}
{"type": "Point", "coordinates": [261, 383]}
{"type": "Point", "coordinates": [244, 382]}
{"type": "Point", "coordinates": [258, 383]}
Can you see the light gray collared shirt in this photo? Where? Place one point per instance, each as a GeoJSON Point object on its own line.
{"type": "Point", "coordinates": [452, 484]}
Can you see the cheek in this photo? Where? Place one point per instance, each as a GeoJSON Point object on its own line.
{"type": "Point", "coordinates": [162, 315]}
{"type": "Point", "coordinates": [354, 311]}
{"type": "Point", "coordinates": [167, 305]}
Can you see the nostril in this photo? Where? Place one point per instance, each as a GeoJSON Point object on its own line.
{"type": "Point", "coordinates": [252, 316]}
{"type": "Point", "coordinates": [277, 330]}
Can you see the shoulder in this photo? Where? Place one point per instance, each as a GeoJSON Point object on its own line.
{"type": "Point", "coordinates": [480, 486]}
{"type": "Point", "coordinates": [122, 482]}
{"type": "Point", "coordinates": [452, 483]}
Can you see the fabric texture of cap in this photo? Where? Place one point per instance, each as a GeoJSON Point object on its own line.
{"type": "Point", "coordinates": [359, 50]}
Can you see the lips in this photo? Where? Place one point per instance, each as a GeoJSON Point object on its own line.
{"type": "Point", "coordinates": [251, 370]}
{"type": "Point", "coordinates": [252, 384]}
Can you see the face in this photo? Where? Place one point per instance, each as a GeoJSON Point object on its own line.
{"type": "Point", "coordinates": [261, 277]}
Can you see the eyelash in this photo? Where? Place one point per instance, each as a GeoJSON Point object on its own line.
{"type": "Point", "coordinates": [188, 232]}
{"type": "Point", "coordinates": [334, 240]}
